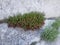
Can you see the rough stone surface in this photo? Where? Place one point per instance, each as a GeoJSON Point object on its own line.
{"type": "Point", "coordinates": [9, 7]}
{"type": "Point", "coordinates": [17, 36]}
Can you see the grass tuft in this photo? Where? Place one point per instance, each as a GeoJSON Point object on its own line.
{"type": "Point", "coordinates": [49, 34]}
{"type": "Point", "coordinates": [31, 20]}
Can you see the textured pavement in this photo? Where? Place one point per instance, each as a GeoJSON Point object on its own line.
{"type": "Point", "coordinates": [51, 8]}
{"type": "Point", "coordinates": [17, 36]}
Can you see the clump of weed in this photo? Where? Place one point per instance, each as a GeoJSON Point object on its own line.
{"type": "Point", "coordinates": [32, 20]}
{"type": "Point", "coordinates": [49, 34]}
{"type": "Point", "coordinates": [13, 21]}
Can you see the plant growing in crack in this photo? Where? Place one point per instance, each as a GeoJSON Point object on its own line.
{"type": "Point", "coordinates": [13, 21]}
{"type": "Point", "coordinates": [49, 34]}
{"type": "Point", "coordinates": [31, 20]}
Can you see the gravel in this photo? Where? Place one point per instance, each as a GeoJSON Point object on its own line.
{"type": "Point", "coordinates": [17, 36]}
